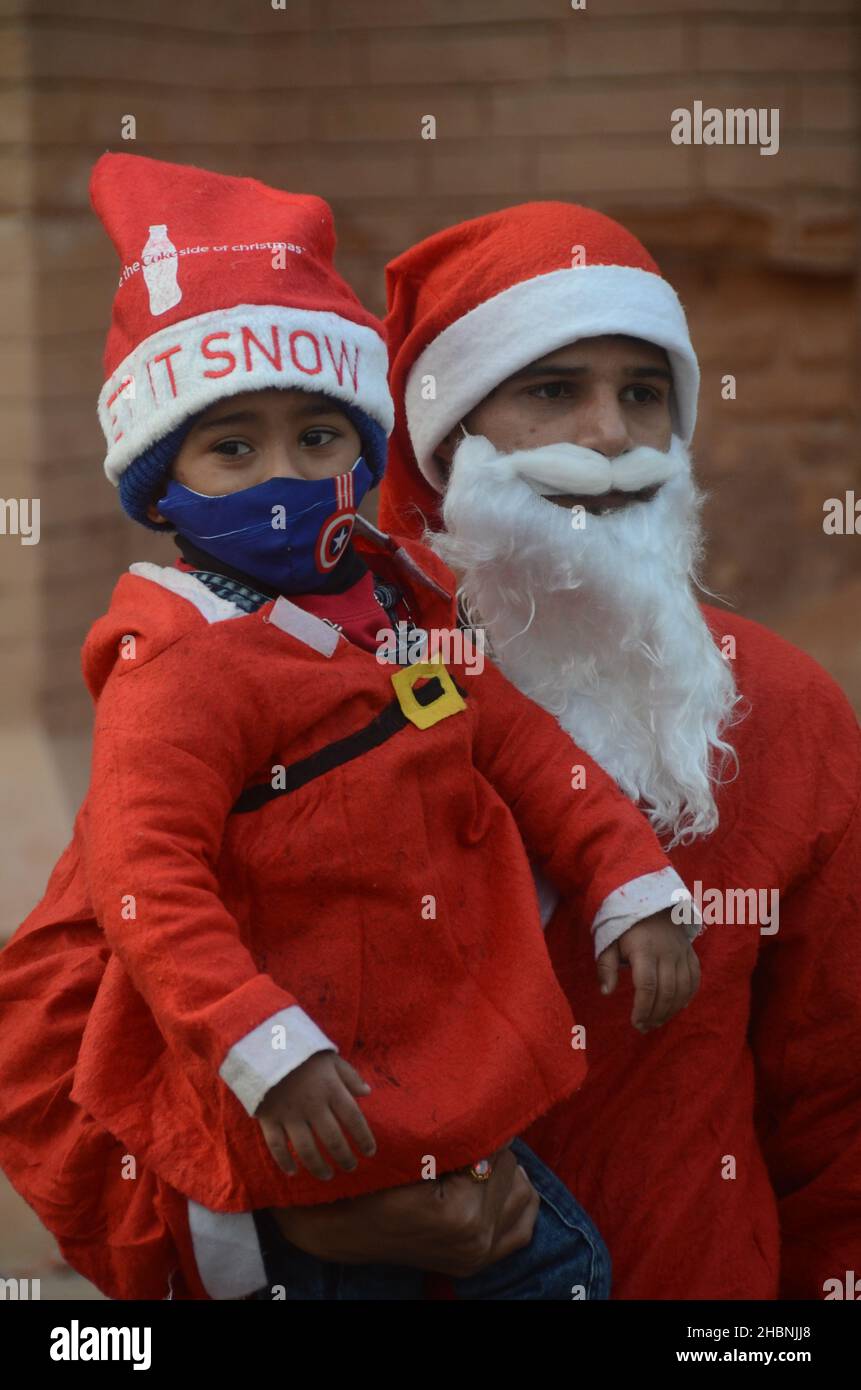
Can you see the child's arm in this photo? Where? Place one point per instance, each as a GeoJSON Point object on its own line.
{"type": "Point", "coordinates": [590, 840]}
{"type": "Point", "coordinates": [172, 749]}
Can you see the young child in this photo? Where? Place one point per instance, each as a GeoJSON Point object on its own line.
{"type": "Point", "coordinates": [306, 863]}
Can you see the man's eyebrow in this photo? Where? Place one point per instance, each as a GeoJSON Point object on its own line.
{"type": "Point", "coordinates": [663, 372]}
{"type": "Point", "coordinates": [536, 369]}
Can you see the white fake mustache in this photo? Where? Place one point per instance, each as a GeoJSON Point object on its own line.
{"type": "Point", "coordinates": [568, 470]}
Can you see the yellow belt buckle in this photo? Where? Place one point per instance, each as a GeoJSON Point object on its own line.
{"type": "Point", "coordinates": [423, 716]}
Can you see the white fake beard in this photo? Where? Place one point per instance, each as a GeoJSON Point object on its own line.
{"type": "Point", "coordinates": [600, 625]}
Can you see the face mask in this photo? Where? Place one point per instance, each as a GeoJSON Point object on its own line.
{"type": "Point", "coordinates": [289, 533]}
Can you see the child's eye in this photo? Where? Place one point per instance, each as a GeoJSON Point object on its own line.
{"type": "Point", "coordinates": [553, 390]}
{"type": "Point", "coordinates": [315, 438]}
{"type": "Point", "coordinates": [647, 395]}
{"type": "Point", "coordinates": [228, 448]}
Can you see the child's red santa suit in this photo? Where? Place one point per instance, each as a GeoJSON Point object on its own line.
{"type": "Point", "coordinates": [282, 850]}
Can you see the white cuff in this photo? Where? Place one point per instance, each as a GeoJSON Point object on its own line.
{"type": "Point", "coordinates": [641, 898]}
{"type": "Point", "coordinates": [263, 1057]}
{"type": "Point", "coordinates": [227, 1251]}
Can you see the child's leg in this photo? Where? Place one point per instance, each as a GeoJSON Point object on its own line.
{"type": "Point", "coordinates": [566, 1258]}
{"type": "Point", "coordinates": [291, 1274]}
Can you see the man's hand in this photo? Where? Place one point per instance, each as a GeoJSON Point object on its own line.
{"type": "Point", "coordinates": [311, 1103]}
{"type": "Point", "coordinates": [454, 1226]}
{"type": "Point", "coordinates": [664, 967]}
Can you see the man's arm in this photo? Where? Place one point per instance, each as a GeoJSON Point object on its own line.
{"type": "Point", "coordinates": [144, 1240]}
{"type": "Point", "coordinates": [806, 1031]}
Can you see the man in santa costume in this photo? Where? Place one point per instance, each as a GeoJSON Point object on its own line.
{"type": "Point", "coordinates": [546, 390]}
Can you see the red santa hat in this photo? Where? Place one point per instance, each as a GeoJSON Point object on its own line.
{"type": "Point", "coordinates": [475, 303]}
{"type": "Point", "coordinates": [225, 286]}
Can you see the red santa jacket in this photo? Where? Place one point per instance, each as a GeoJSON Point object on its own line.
{"type": "Point", "coordinates": [721, 1156]}
{"type": "Point", "coordinates": [269, 843]}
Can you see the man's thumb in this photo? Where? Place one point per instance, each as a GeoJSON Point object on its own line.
{"type": "Point", "coordinates": [608, 969]}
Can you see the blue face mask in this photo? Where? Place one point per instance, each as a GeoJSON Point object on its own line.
{"type": "Point", "coordinates": [289, 533]}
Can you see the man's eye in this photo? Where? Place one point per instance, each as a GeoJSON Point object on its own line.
{"type": "Point", "coordinates": [647, 394]}
{"type": "Point", "coordinates": [313, 439]}
{"type": "Point", "coordinates": [229, 448]}
{"type": "Point", "coordinates": [552, 390]}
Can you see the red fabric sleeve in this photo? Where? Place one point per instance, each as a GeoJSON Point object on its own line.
{"type": "Point", "coordinates": [157, 807]}
{"type": "Point", "coordinates": [589, 840]}
{"type": "Point", "coordinates": [127, 1232]}
{"type": "Point", "coordinates": [806, 1028]}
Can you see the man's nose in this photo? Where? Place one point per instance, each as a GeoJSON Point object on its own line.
{"type": "Point", "coordinates": [602, 427]}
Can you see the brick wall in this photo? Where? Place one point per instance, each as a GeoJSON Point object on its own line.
{"type": "Point", "coordinates": [532, 100]}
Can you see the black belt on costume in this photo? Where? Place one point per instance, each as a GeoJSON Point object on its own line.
{"type": "Point", "coordinates": [381, 728]}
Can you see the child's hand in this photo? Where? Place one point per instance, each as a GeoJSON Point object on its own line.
{"type": "Point", "coordinates": [318, 1097]}
{"type": "Point", "coordinates": [664, 966]}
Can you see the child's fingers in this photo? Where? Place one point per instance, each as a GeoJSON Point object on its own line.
{"type": "Point", "coordinates": [696, 973]}
{"type": "Point", "coordinates": [351, 1078]}
{"type": "Point", "coordinates": [330, 1135]}
{"type": "Point", "coordinates": [667, 1000]}
{"type": "Point", "coordinates": [644, 972]}
{"type": "Point", "coordinates": [276, 1141]}
{"type": "Point", "coordinates": [300, 1136]}
{"type": "Point", "coordinates": [684, 983]}
{"type": "Point", "coordinates": [687, 978]}
{"type": "Point", "coordinates": [608, 968]}
{"type": "Point", "coordinates": [354, 1122]}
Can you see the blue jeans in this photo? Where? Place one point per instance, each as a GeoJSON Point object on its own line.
{"type": "Point", "coordinates": [565, 1259]}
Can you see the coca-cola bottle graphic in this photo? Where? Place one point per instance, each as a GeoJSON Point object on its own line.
{"type": "Point", "coordinates": [160, 262]}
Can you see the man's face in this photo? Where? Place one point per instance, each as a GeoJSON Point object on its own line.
{"type": "Point", "coordinates": [608, 394]}
{"type": "Point", "coordinates": [595, 618]}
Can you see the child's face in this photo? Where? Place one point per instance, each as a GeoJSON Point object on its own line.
{"type": "Point", "coordinates": [258, 435]}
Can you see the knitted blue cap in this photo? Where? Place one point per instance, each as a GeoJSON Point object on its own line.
{"type": "Point", "coordinates": [144, 479]}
